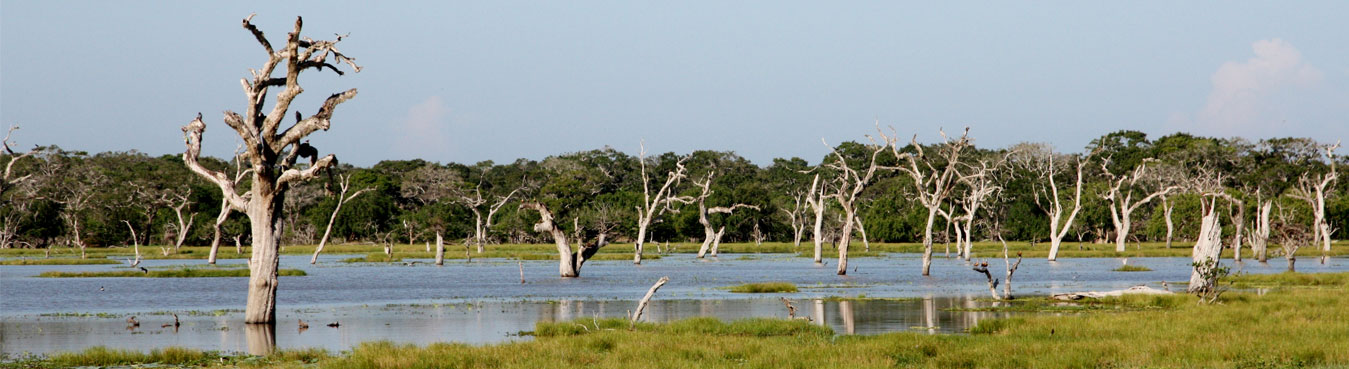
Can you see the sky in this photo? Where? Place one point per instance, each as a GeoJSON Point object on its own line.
{"type": "Point", "coordinates": [473, 81]}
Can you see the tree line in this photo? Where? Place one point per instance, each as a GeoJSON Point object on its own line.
{"type": "Point", "coordinates": [57, 197]}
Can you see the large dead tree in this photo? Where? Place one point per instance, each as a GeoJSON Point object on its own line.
{"type": "Point", "coordinates": [980, 184]}
{"type": "Point", "coordinates": [658, 204]}
{"type": "Point", "coordinates": [342, 198]}
{"type": "Point", "coordinates": [1291, 236]}
{"type": "Point", "coordinates": [815, 198]}
{"type": "Point", "coordinates": [569, 262]}
{"type": "Point", "coordinates": [271, 152]}
{"type": "Point", "coordinates": [1312, 189]}
{"type": "Point", "coordinates": [1121, 197]}
{"type": "Point", "coordinates": [1040, 160]}
{"type": "Point", "coordinates": [712, 236]}
{"type": "Point", "coordinates": [933, 180]}
{"type": "Point", "coordinates": [1207, 248]}
{"type": "Point", "coordinates": [848, 185]}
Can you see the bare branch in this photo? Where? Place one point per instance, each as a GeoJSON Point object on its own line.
{"type": "Point", "coordinates": [192, 133]}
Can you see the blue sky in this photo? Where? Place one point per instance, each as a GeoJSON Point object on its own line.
{"type": "Point", "coordinates": [497, 81]}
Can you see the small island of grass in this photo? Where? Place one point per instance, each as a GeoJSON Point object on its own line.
{"type": "Point", "coordinates": [1131, 268]}
{"type": "Point", "coordinates": [764, 287]}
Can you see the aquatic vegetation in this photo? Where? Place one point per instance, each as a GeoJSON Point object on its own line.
{"type": "Point", "coordinates": [1131, 268]}
{"type": "Point", "coordinates": [764, 287]}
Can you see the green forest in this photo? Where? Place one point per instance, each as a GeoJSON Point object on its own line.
{"type": "Point", "coordinates": [53, 197]}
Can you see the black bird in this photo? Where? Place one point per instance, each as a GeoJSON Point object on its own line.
{"type": "Point", "coordinates": [100, 288]}
{"type": "Point", "coordinates": [334, 324]}
{"type": "Point", "coordinates": [146, 271]}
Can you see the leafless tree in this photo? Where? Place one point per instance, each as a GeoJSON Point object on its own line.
{"type": "Point", "coordinates": [569, 262]}
{"type": "Point", "coordinates": [1312, 189]}
{"type": "Point", "coordinates": [711, 238]}
{"type": "Point", "coordinates": [815, 198]}
{"type": "Point", "coordinates": [181, 201]}
{"type": "Point", "coordinates": [796, 216]}
{"type": "Point", "coordinates": [933, 184]}
{"type": "Point", "coordinates": [980, 183]}
{"type": "Point", "coordinates": [342, 198]}
{"type": "Point", "coordinates": [239, 174]}
{"type": "Point", "coordinates": [658, 204]}
{"type": "Point", "coordinates": [272, 154]}
{"type": "Point", "coordinates": [1260, 231]}
{"type": "Point", "coordinates": [432, 184]}
{"type": "Point", "coordinates": [1208, 246]}
{"type": "Point", "coordinates": [1291, 236]}
{"type": "Point", "coordinates": [1121, 197]}
{"type": "Point", "coordinates": [9, 193]}
{"type": "Point", "coordinates": [1041, 160]}
{"type": "Point", "coordinates": [848, 184]}
{"type": "Point", "coordinates": [76, 192]}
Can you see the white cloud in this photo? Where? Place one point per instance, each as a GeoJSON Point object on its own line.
{"type": "Point", "coordinates": [423, 130]}
{"type": "Point", "coordinates": [1246, 96]}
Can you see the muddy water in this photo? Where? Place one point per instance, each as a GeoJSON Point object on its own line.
{"type": "Point", "coordinates": [484, 301]}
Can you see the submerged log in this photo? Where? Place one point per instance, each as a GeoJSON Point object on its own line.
{"type": "Point", "coordinates": [1135, 290]}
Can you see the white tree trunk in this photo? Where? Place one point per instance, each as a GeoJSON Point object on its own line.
{"type": "Point", "coordinates": [927, 241]}
{"type": "Point", "coordinates": [641, 305]}
{"type": "Point", "coordinates": [440, 249]}
{"type": "Point", "coordinates": [1170, 226]}
{"type": "Point", "coordinates": [845, 238]}
{"type": "Point", "coordinates": [1260, 235]}
{"type": "Point", "coordinates": [1206, 250]}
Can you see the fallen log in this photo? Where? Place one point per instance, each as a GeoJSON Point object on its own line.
{"type": "Point", "coordinates": [1135, 290]}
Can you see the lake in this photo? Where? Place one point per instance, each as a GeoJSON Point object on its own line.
{"type": "Point", "coordinates": [483, 301]}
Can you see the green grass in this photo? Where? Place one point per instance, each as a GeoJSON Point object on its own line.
{"type": "Point", "coordinates": [58, 261]}
{"type": "Point", "coordinates": [167, 273]}
{"type": "Point", "coordinates": [1289, 279]}
{"type": "Point", "coordinates": [764, 287]}
{"type": "Point", "coordinates": [1131, 268]}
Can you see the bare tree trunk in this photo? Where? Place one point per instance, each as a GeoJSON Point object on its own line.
{"type": "Point", "coordinates": [927, 241]}
{"type": "Point", "coordinates": [1011, 269]}
{"type": "Point", "coordinates": [816, 202]}
{"type": "Point", "coordinates": [641, 305]}
{"type": "Point", "coordinates": [215, 240]}
{"type": "Point", "coordinates": [844, 239]}
{"type": "Point", "coordinates": [440, 249]}
{"type": "Point", "coordinates": [135, 243]}
{"type": "Point", "coordinates": [1206, 250]}
{"type": "Point", "coordinates": [653, 206]}
{"type": "Point", "coordinates": [567, 265]}
{"type": "Point", "coordinates": [478, 235]}
{"type": "Point", "coordinates": [992, 283]}
{"type": "Point", "coordinates": [1170, 226]}
{"type": "Point", "coordinates": [866, 244]}
{"type": "Point", "coordinates": [1260, 235]}
{"type": "Point", "coordinates": [264, 213]}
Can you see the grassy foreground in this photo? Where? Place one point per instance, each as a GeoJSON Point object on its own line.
{"type": "Point", "coordinates": [167, 273]}
{"type": "Point", "coordinates": [1302, 322]}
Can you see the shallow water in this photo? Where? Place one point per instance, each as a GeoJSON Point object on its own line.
{"type": "Point", "coordinates": [484, 301]}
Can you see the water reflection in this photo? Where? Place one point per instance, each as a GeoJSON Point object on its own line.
{"type": "Point", "coordinates": [261, 338]}
{"type": "Point", "coordinates": [484, 322]}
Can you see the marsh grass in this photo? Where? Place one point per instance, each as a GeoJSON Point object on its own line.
{"type": "Point", "coordinates": [765, 287]}
{"type": "Point", "coordinates": [58, 261]}
{"type": "Point", "coordinates": [1131, 268]}
{"type": "Point", "coordinates": [1291, 279]}
{"type": "Point", "coordinates": [167, 273]}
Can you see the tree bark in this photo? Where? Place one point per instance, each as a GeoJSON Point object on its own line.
{"type": "Point", "coordinates": [440, 249]}
{"type": "Point", "coordinates": [816, 202]}
{"type": "Point", "coordinates": [1170, 226]}
{"type": "Point", "coordinates": [927, 241]}
{"type": "Point", "coordinates": [1260, 235]}
{"type": "Point", "coordinates": [1206, 250]}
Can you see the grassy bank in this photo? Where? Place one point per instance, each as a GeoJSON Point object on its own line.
{"type": "Point", "coordinates": [167, 273]}
{"type": "Point", "coordinates": [58, 261]}
{"type": "Point", "coordinates": [1304, 326]}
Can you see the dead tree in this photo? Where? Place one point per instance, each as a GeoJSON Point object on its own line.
{"type": "Point", "coordinates": [712, 236]}
{"type": "Point", "coordinates": [1206, 250]}
{"type": "Point", "coordinates": [1260, 231]}
{"type": "Point", "coordinates": [272, 154]}
{"type": "Point", "coordinates": [569, 262]}
{"type": "Point", "coordinates": [979, 185]}
{"type": "Point", "coordinates": [815, 198]}
{"type": "Point", "coordinates": [479, 205]}
{"type": "Point", "coordinates": [225, 209]}
{"type": "Point", "coordinates": [182, 200]}
{"type": "Point", "coordinates": [77, 190]}
{"type": "Point", "coordinates": [641, 305]}
{"type": "Point", "coordinates": [658, 204]}
{"type": "Point", "coordinates": [848, 184]}
{"type": "Point", "coordinates": [8, 183]}
{"type": "Point", "coordinates": [1313, 191]}
{"type": "Point", "coordinates": [432, 184]}
{"type": "Point", "coordinates": [797, 217]}
{"type": "Point", "coordinates": [932, 184]}
{"type": "Point", "coordinates": [1040, 159]}
{"type": "Point", "coordinates": [1291, 236]}
{"type": "Point", "coordinates": [1167, 209]}
{"type": "Point", "coordinates": [1121, 197]}
{"type": "Point", "coordinates": [342, 198]}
